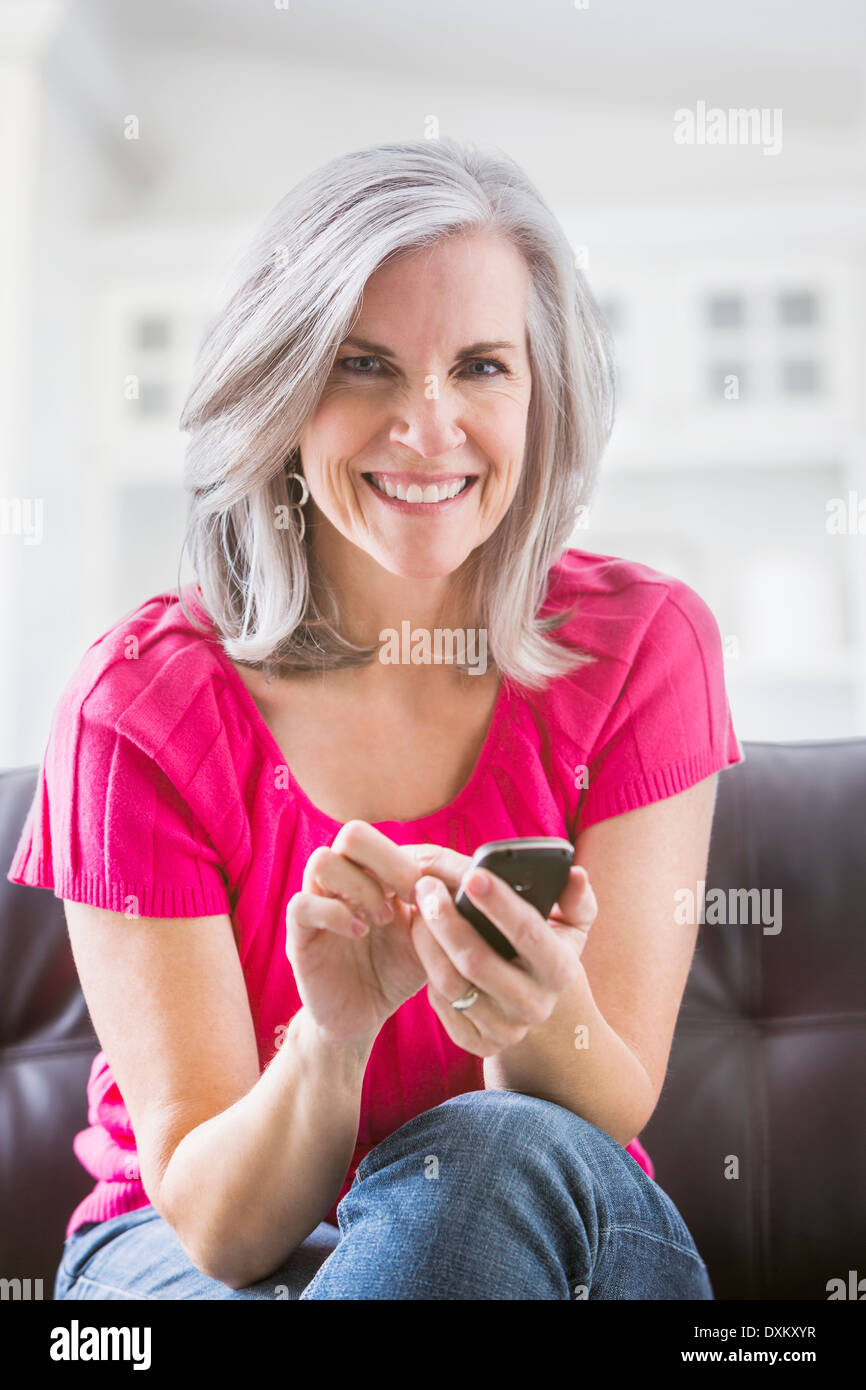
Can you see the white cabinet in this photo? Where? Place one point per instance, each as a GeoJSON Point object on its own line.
{"type": "Point", "coordinates": [729, 489]}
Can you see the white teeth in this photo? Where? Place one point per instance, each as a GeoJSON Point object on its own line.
{"type": "Point", "coordinates": [415, 493]}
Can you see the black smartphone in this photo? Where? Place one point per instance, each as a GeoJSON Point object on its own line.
{"type": "Point", "coordinates": [536, 867]}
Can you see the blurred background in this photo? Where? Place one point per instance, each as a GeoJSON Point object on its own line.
{"type": "Point", "coordinates": [706, 162]}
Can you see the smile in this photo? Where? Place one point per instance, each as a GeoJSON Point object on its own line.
{"type": "Point", "coordinates": [399, 488]}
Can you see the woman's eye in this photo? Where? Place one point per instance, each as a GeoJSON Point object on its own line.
{"type": "Point", "coordinates": [351, 364]}
{"type": "Point", "coordinates": [486, 362]}
{"type": "Point", "coordinates": [351, 361]}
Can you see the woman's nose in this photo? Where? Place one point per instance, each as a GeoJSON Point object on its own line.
{"type": "Point", "coordinates": [428, 426]}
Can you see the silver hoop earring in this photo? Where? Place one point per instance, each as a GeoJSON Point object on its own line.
{"type": "Point", "coordinates": [298, 506]}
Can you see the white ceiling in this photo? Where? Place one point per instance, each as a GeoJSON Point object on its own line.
{"type": "Point", "coordinates": [762, 51]}
{"type": "Point", "coordinates": [238, 98]}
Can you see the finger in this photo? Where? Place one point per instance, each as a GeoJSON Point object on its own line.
{"type": "Point", "coordinates": [447, 864]}
{"type": "Point", "coordinates": [371, 850]}
{"type": "Point", "coordinates": [330, 875]}
{"type": "Point", "coordinates": [487, 1018]}
{"type": "Point", "coordinates": [515, 995]}
{"type": "Point", "coordinates": [577, 905]}
{"type": "Point", "coordinates": [473, 1033]}
{"type": "Point", "coordinates": [438, 965]}
{"type": "Point", "coordinates": [307, 913]}
{"type": "Point", "coordinates": [549, 961]}
{"type": "Point", "coordinates": [457, 1025]}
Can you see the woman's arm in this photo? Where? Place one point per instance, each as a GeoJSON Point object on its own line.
{"type": "Point", "coordinates": [633, 971]}
{"type": "Point", "coordinates": [577, 1060]}
{"type": "Point", "coordinates": [243, 1166]}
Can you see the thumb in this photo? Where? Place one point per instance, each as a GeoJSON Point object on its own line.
{"type": "Point", "coordinates": [577, 904]}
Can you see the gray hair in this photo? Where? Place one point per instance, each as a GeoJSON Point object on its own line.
{"type": "Point", "coordinates": [265, 360]}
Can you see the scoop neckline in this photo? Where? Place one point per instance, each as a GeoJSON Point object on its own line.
{"type": "Point", "coordinates": [261, 728]}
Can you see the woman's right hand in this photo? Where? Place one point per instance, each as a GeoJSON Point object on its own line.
{"type": "Point", "coordinates": [349, 983]}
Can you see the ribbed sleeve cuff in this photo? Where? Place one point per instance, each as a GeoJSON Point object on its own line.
{"type": "Point", "coordinates": [654, 785]}
{"type": "Point", "coordinates": [132, 899]}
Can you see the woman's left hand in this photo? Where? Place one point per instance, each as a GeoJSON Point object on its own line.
{"type": "Point", "coordinates": [514, 996]}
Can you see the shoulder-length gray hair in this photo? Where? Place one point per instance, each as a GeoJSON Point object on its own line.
{"type": "Point", "coordinates": [267, 356]}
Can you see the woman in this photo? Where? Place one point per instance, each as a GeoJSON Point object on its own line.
{"type": "Point", "coordinates": [318, 1081]}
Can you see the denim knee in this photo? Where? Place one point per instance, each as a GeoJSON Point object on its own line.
{"type": "Point", "coordinates": [512, 1129]}
{"type": "Point", "coordinates": [527, 1200]}
{"type": "Point", "coordinates": [523, 1146]}
{"type": "Point", "coordinates": [500, 1140]}
{"type": "Point", "coordinates": [508, 1112]}
{"type": "Point", "coordinates": [455, 1204]}
{"type": "Point", "coordinates": [569, 1160]}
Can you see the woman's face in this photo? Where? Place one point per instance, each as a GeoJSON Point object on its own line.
{"type": "Point", "coordinates": [429, 394]}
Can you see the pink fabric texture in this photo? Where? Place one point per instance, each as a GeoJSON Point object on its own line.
{"type": "Point", "coordinates": [162, 793]}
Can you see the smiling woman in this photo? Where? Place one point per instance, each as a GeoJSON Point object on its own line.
{"type": "Point", "coordinates": [259, 820]}
{"type": "Point", "coordinates": [409, 312]}
{"type": "Point", "coordinates": [420, 413]}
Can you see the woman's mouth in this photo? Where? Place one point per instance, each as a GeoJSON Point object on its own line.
{"type": "Point", "coordinates": [425, 495]}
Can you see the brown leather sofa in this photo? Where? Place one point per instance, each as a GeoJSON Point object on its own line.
{"type": "Point", "coordinates": [760, 1132]}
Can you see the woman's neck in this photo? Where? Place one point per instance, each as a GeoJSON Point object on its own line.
{"type": "Point", "coordinates": [371, 601]}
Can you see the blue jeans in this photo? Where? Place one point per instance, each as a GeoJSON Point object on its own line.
{"type": "Point", "coordinates": [490, 1195]}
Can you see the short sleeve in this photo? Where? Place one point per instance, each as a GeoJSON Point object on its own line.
{"type": "Point", "coordinates": [108, 827]}
{"type": "Point", "coordinates": [670, 725]}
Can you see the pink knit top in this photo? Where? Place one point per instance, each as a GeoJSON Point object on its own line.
{"type": "Point", "coordinates": [158, 793]}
